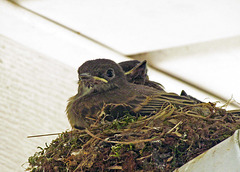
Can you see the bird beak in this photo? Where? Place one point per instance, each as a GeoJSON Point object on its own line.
{"type": "Point", "coordinates": [83, 76]}
{"type": "Point", "coordinates": [87, 83]}
{"type": "Point", "coordinates": [87, 76]}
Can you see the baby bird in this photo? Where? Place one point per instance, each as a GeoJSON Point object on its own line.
{"type": "Point", "coordinates": [103, 82]}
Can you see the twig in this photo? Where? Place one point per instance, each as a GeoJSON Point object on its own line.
{"type": "Point", "coordinates": [180, 122]}
{"type": "Point", "coordinates": [118, 142]}
{"type": "Point", "coordinates": [41, 135]}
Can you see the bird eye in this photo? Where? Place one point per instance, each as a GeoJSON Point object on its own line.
{"type": "Point", "coordinates": [110, 73]}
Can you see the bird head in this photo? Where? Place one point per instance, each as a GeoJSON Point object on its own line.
{"type": "Point", "coordinates": [99, 75]}
{"type": "Point", "coordinates": [135, 71]}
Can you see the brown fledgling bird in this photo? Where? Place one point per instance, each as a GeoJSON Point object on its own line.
{"type": "Point", "coordinates": [136, 72]}
{"type": "Point", "coordinates": [103, 82]}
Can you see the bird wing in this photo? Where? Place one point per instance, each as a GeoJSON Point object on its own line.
{"type": "Point", "coordinates": [146, 105]}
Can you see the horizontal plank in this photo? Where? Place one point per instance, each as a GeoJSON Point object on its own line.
{"type": "Point", "coordinates": [48, 38]}
{"type": "Point", "coordinates": [138, 26]}
{"type": "Point", "coordinates": [212, 65]}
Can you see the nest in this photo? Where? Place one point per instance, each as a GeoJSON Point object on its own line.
{"type": "Point", "coordinates": [161, 142]}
